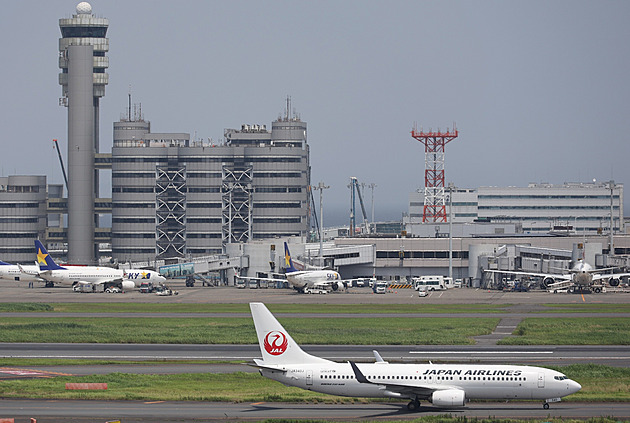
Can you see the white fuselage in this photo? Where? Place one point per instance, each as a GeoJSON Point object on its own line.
{"type": "Point", "coordinates": [13, 273]}
{"type": "Point", "coordinates": [477, 381]}
{"type": "Point", "coordinates": [99, 275]}
{"type": "Point", "coordinates": [582, 273]}
{"type": "Point", "coordinates": [309, 278]}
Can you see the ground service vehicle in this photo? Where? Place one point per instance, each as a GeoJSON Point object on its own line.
{"type": "Point", "coordinates": [430, 283]}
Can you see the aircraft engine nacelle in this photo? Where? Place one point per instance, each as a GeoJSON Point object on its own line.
{"type": "Point", "coordinates": [336, 286]}
{"type": "Point", "coordinates": [613, 281]}
{"type": "Point", "coordinates": [126, 285]}
{"type": "Point", "coordinates": [449, 398]}
{"type": "Point", "coordinates": [548, 280]}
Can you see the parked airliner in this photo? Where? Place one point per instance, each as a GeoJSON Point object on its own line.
{"type": "Point", "coordinates": [303, 279]}
{"type": "Point", "coordinates": [51, 272]}
{"type": "Point", "coordinates": [12, 272]}
{"type": "Point", "coordinates": [582, 275]}
{"type": "Point", "coordinates": [444, 385]}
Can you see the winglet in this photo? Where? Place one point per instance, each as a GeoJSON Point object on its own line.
{"type": "Point", "coordinates": [357, 373]}
{"type": "Point", "coordinates": [288, 263]}
{"type": "Point", "coordinates": [43, 258]}
{"type": "Point", "coordinates": [378, 358]}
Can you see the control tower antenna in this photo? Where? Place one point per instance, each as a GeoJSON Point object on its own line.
{"type": "Point", "coordinates": [434, 209]}
{"type": "Point", "coordinates": [287, 116]}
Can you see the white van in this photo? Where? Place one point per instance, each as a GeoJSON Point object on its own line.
{"type": "Point", "coordinates": [430, 283]}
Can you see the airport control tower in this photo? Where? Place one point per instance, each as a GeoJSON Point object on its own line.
{"type": "Point", "coordinates": [83, 77]}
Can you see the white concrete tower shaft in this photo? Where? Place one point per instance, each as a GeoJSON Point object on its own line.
{"type": "Point", "coordinates": [83, 77]}
{"type": "Point", "coordinates": [81, 151]}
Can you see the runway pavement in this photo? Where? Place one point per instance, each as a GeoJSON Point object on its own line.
{"type": "Point", "coordinates": [614, 355]}
{"type": "Point", "coordinates": [77, 411]}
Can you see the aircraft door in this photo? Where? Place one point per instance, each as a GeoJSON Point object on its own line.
{"type": "Point", "coordinates": [541, 380]}
{"type": "Point", "coordinates": [309, 378]}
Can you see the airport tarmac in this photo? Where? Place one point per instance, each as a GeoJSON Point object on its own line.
{"type": "Point", "coordinates": [49, 411]}
{"type": "Point", "coordinates": [521, 304]}
{"type": "Point", "coordinates": [19, 292]}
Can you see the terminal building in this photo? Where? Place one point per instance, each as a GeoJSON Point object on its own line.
{"type": "Point", "coordinates": [173, 197]}
{"type": "Point", "coordinates": [537, 208]}
{"type": "Point", "coordinates": [23, 216]}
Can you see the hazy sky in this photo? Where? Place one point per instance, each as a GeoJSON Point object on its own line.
{"type": "Point", "coordinates": [539, 89]}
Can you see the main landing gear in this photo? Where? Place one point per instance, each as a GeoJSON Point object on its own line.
{"type": "Point", "coordinates": [546, 406]}
{"type": "Point", "coordinates": [413, 405]}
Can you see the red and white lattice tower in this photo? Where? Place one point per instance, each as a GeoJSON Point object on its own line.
{"type": "Point", "coordinates": [434, 196]}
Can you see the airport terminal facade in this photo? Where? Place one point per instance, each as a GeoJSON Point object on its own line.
{"type": "Point", "coordinates": [173, 197]}
{"type": "Point", "coordinates": [538, 207]}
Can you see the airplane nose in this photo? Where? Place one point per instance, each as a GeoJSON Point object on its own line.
{"type": "Point", "coordinates": [574, 386]}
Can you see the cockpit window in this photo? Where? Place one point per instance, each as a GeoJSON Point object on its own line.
{"type": "Point", "coordinates": [561, 377]}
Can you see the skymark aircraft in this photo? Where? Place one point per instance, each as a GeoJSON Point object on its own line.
{"type": "Point", "coordinates": [301, 280]}
{"type": "Point", "coordinates": [444, 385]}
{"type": "Point", "coordinates": [51, 272]}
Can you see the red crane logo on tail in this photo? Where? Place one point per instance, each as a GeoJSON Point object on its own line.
{"type": "Point", "coordinates": [276, 343]}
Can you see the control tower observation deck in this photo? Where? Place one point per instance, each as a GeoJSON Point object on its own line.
{"type": "Point", "coordinates": [83, 78]}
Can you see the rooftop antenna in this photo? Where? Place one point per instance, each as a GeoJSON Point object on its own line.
{"type": "Point", "coordinates": [129, 110]}
{"type": "Point", "coordinates": [288, 108]}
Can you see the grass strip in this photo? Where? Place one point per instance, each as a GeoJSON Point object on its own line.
{"type": "Point", "coordinates": [240, 330]}
{"type": "Point", "coordinates": [582, 307]}
{"type": "Point", "coordinates": [599, 383]}
{"type": "Point", "coordinates": [25, 307]}
{"type": "Point", "coordinates": [571, 331]}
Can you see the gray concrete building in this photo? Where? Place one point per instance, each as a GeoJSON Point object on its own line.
{"type": "Point", "coordinates": [575, 208]}
{"type": "Point", "coordinates": [23, 215]}
{"type": "Point", "coordinates": [83, 77]}
{"type": "Point", "coordinates": [404, 258]}
{"type": "Point", "coordinates": [173, 197]}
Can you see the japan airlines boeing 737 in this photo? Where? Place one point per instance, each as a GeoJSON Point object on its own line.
{"type": "Point", "coordinates": [444, 385]}
{"type": "Point", "coordinates": [70, 275]}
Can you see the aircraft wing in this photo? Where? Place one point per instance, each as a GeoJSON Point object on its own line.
{"type": "Point", "coordinates": [30, 272]}
{"type": "Point", "coordinates": [610, 276]}
{"type": "Point", "coordinates": [101, 282]}
{"type": "Point", "coordinates": [248, 278]}
{"type": "Point", "coordinates": [421, 391]}
{"type": "Point", "coordinates": [35, 273]}
{"type": "Point", "coordinates": [556, 276]}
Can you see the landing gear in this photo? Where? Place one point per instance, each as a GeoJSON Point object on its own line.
{"type": "Point", "coordinates": [546, 406]}
{"type": "Point", "coordinates": [413, 405]}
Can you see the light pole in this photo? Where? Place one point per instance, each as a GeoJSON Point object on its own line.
{"type": "Point", "coordinates": [612, 243]}
{"type": "Point", "coordinates": [372, 186]}
{"type": "Point", "coordinates": [450, 230]}
{"type": "Point", "coordinates": [321, 187]}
